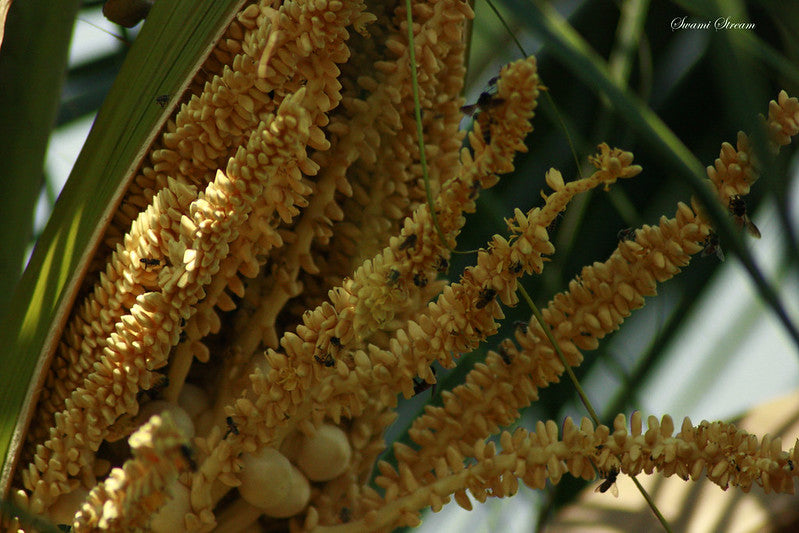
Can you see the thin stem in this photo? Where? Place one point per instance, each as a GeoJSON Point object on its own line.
{"type": "Point", "coordinates": [651, 502]}
{"type": "Point", "coordinates": [507, 28]}
{"type": "Point", "coordinates": [548, 332]}
{"type": "Point", "coordinates": [417, 108]}
{"type": "Point", "coordinates": [566, 131]}
{"type": "Point", "coordinates": [583, 397]}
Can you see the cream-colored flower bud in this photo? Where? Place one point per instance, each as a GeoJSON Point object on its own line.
{"type": "Point", "coordinates": [326, 455]}
{"type": "Point", "coordinates": [64, 509]}
{"type": "Point", "coordinates": [170, 517]}
{"type": "Point", "coordinates": [270, 482]}
{"type": "Point", "coordinates": [179, 415]}
{"type": "Point", "coordinates": [554, 179]}
{"type": "Point", "coordinates": [193, 400]}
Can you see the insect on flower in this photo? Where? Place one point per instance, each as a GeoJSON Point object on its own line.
{"type": "Point", "coordinates": [393, 276]}
{"type": "Point", "coordinates": [610, 483]}
{"type": "Point", "coordinates": [326, 360]}
{"type": "Point", "coordinates": [474, 190]}
{"type": "Point", "coordinates": [231, 427]}
{"type": "Point", "coordinates": [737, 207]}
{"type": "Point", "coordinates": [149, 261]}
{"type": "Point", "coordinates": [485, 297]}
{"type": "Point", "coordinates": [421, 385]}
{"type": "Point", "coordinates": [626, 234]}
{"type": "Point", "coordinates": [161, 383]}
{"type": "Point", "coordinates": [485, 102]}
{"type": "Point", "coordinates": [712, 246]}
{"type": "Point", "coordinates": [505, 355]}
{"type": "Point", "coordinates": [409, 242]}
{"type": "Point", "coordinates": [188, 455]}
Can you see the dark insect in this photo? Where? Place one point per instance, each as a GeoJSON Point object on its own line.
{"type": "Point", "coordinates": [182, 322]}
{"type": "Point", "coordinates": [149, 261]}
{"type": "Point", "coordinates": [516, 267]}
{"type": "Point", "coordinates": [335, 341]}
{"type": "Point", "coordinates": [503, 353]}
{"type": "Point", "coordinates": [626, 234]}
{"type": "Point", "coordinates": [485, 101]}
{"type": "Point", "coordinates": [188, 455]}
{"type": "Point", "coordinates": [712, 246]}
{"type": "Point", "coordinates": [162, 100]}
{"type": "Point", "coordinates": [485, 297]}
{"type": "Point", "coordinates": [790, 465]}
{"type": "Point", "coordinates": [154, 391]}
{"type": "Point", "coordinates": [409, 242]}
{"type": "Point", "coordinates": [420, 385]}
{"type": "Point", "coordinates": [521, 325]}
{"type": "Point", "coordinates": [737, 207]}
{"type": "Point", "coordinates": [326, 360]}
{"type": "Point", "coordinates": [609, 483]}
{"type": "Point", "coordinates": [344, 515]}
{"type": "Point", "coordinates": [485, 126]}
{"type": "Point", "coordinates": [419, 279]}
{"type": "Point", "coordinates": [231, 427]}
{"type": "Point", "coordinates": [441, 264]}
{"type": "Point", "coordinates": [393, 276]}
{"type": "Point", "coordinates": [474, 189]}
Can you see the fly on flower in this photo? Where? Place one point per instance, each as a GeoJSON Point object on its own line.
{"type": "Point", "coordinates": [485, 297]}
{"type": "Point", "coordinates": [737, 207]}
{"type": "Point", "coordinates": [149, 261]}
{"type": "Point", "coordinates": [232, 428]}
{"type": "Point", "coordinates": [712, 246]}
{"type": "Point", "coordinates": [626, 234]}
{"type": "Point", "coordinates": [485, 101]}
{"type": "Point", "coordinates": [610, 483]}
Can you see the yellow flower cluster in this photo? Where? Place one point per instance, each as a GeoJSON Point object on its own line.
{"type": "Point", "coordinates": [269, 287]}
{"type": "Point", "coordinates": [130, 495]}
{"type": "Point", "coordinates": [725, 454]}
{"type": "Point", "coordinates": [197, 242]}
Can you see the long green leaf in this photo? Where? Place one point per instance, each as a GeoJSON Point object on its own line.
{"type": "Point", "coordinates": [175, 39]}
{"type": "Point", "coordinates": [33, 59]}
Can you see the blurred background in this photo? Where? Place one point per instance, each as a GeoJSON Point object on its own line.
{"type": "Point", "coordinates": [707, 347]}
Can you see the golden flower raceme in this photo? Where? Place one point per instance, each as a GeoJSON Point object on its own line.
{"type": "Point", "coordinates": [271, 282]}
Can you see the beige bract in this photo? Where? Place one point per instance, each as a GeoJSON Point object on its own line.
{"type": "Point", "coordinates": [273, 280]}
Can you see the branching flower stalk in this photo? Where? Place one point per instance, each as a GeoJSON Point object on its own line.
{"type": "Point", "coordinates": [272, 282]}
